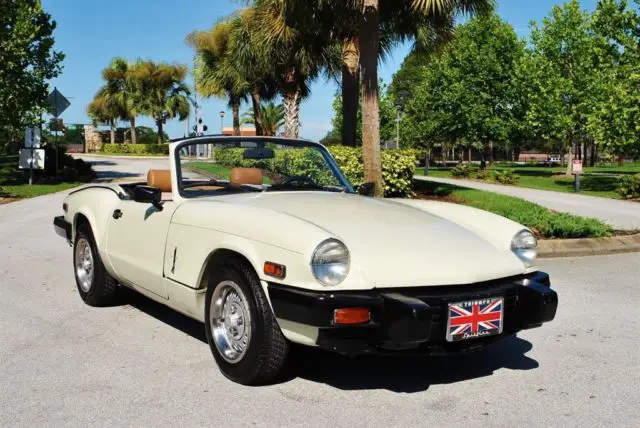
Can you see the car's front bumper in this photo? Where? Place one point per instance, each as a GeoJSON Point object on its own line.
{"type": "Point", "coordinates": [413, 320]}
{"type": "Point", "coordinates": [62, 228]}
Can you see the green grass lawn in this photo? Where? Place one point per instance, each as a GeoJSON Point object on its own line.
{"type": "Point", "coordinates": [14, 183]}
{"type": "Point", "coordinates": [597, 181]}
{"type": "Point", "coordinates": [546, 223]}
{"type": "Point", "coordinates": [209, 169]}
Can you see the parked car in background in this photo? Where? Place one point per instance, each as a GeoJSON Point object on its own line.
{"type": "Point", "coordinates": [267, 243]}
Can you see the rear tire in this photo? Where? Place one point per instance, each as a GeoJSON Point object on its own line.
{"type": "Point", "coordinates": [95, 285]}
{"type": "Point", "coordinates": [242, 332]}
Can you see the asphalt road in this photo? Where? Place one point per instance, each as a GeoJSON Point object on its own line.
{"type": "Point", "coordinates": [622, 215]}
{"type": "Point", "coordinates": [138, 364]}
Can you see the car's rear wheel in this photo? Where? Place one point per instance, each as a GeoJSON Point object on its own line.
{"type": "Point", "coordinates": [95, 285]}
{"type": "Point", "coordinates": [242, 332]}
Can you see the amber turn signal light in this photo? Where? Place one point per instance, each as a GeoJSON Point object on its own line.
{"type": "Point", "coordinates": [349, 316]}
{"type": "Point", "coordinates": [275, 270]}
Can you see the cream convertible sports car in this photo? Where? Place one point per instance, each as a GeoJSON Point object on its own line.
{"type": "Point", "coordinates": [266, 242]}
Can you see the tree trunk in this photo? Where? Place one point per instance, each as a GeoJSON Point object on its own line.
{"type": "Point", "coordinates": [491, 159]}
{"type": "Point", "coordinates": [350, 90]}
{"type": "Point", "coordinates": [235, 110]}
{"type": "Point", "coordinates": [291, 104]}
{"type": "Point", "coordinates": [160, 124]}
{"type": "Point", "coordinates": [134, 137]}
{"type": "Point", "coordinates": [370, 32]}
{"type": "Point", "coordinates": [427, 156]}
{"type": "Point", "coordinates": [469, 155]}
{"type": "Point", "coordinates": [113, 131]}
{"type": "Point", "coordinates": [257, 111]}
{"type": "Point", "coordinates": [594, 154]}
{"type": "Point", "coordinates": [620, 161]}
{"type": "Point", "coordinates": [569, 159]}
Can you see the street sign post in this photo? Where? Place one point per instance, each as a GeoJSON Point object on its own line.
{"type": "Point", "coordinates": [576, 170]}
{"type": "Point", "coordinates": [27, 156]}
{"type": "Point", "coordinates": [58, 103]}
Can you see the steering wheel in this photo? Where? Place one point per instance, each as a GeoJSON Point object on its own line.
{"type": "Point", "coordinates": [298, 179]}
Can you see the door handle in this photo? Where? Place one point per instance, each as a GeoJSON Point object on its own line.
{"type": "Point", "coordinates": [117, 214]}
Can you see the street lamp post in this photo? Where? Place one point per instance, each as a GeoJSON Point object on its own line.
{"type": "Point", "coordinates": [221, 122]}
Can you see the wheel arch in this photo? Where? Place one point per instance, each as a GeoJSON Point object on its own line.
{"type": "Point", "coordinates": [218, 257]}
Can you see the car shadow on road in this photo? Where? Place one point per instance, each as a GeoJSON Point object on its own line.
{"type": "Point", "coordinates": [101, 163]}
{"type": "Point", "coordinates": [409, 374]}
{"type": "Point", "coordinates": [107, 176]}
{"type": "Point", "coordinates": [398, 374]}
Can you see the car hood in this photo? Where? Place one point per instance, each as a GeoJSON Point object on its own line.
{"type": "Point", "coordinates": [392, 244]}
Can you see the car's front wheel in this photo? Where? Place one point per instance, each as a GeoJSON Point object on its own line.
{"type": "Point", "coordinates": [242, 332]}
{"type": "Point", "coordinates": [95, 285]}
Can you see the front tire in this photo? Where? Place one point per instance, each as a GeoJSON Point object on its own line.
{"type": "Point", "coordinates": [95, 285]}
{"type": "Point", "coordinates": [242, 332]}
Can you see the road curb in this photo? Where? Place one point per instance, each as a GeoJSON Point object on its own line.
{"type": "Point", "coordinates": [553, 248]}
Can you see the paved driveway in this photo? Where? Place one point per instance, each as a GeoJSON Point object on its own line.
{"type": "Point", "coordinates": [623, 215]}
{"type": "Point", "coordinates": [63, 363]}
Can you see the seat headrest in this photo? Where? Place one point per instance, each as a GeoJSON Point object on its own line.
{"type": "Point", "coordinates": [160, 178]}
{"type": "Point", "coordinates": [240, 176]}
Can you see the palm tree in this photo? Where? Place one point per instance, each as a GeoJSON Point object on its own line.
{"type": "Point", "coordinates": [103, 109]}
{"type": "Point", "coordinates": [297, 56]}
{"type": "Point", "coordinates": [166, 95]}
{"type": "Point", "coordinates": [272, 117]}
{"type": "Point", "coordinates": [216, 74]}
{"type": "Point", "coordinates": [123, 91]}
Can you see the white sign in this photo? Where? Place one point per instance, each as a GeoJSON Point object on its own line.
{"type": "Point", "coordinates": [32, 137]}
{"type": "Point", "coordinates": [25, 159]}
{"type": "Point", "coordinates": [577, 167]}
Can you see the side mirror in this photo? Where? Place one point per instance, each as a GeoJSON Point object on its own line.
{"type": "Point", "coordinates": [367, 189]}
{"type": "Point", "coordinates": [148, 195]}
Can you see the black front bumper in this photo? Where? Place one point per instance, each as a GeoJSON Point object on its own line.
{"type": "Point", "coordinates": [62, 227]}
{"type": "Point", "coordinates": [413, 320]}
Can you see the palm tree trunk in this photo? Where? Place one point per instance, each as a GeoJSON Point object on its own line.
{"type": "Point", "coordinates": [370, 31]}
{"type": "Point", "coordinates": [112, 123]}
{"type": "Point", "coordinates": [134, 137]}
{"type": "Point", "coordinates": [350, 90]}
{"type": "Point", "coordinates": [235, 109]}
{"type": "Point", "coordinates": [160, 130]}
{"type": "Point", "coordinates": [291, 104]}
{"type": "Point", "coordinates": [257, 111]}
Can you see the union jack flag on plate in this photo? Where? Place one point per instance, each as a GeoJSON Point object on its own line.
{"type": "Point", "coordinates": [474, 318]}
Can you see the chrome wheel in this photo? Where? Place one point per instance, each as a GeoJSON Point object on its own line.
{"type": "Point", "coordinates": [84, 264]}
{"type": "Point", "coordinates": [230, 320]}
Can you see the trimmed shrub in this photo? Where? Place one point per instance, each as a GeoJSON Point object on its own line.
{"type": "Point", "coordinates": [136, 149]}
{"type": "Point", "coordinates": [462, 170]}
{"type": "Point", "coordinates": [629, 186]}
{"type": "Point", "coordinates": [505, 176]}
{"type": "Point", "coordinates": [398, 169]}
{"type": "Point", "coordinates": [482, 174]}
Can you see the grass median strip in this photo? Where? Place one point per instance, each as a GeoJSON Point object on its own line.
{"type": "Point", "coordinates": [544, 222]}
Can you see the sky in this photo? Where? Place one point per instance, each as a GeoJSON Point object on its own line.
{"type": "Point", "coordinates": [91, 33]}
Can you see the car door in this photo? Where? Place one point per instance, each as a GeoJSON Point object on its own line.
{"type": "Point", "coordinates": [136, 239]}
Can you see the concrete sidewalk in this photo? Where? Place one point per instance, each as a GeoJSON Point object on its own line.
{"type": "Point", "coordinates": [622, 215]}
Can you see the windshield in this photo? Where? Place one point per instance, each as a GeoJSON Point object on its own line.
{"type": "Point", "coordinates": [222, 165]}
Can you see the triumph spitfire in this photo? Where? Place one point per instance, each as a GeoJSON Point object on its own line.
{"type": "Point", "coordinates": [266, 242]}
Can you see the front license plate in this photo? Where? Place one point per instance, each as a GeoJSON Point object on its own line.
{"type": "Point", "coordinates": [472, 319]}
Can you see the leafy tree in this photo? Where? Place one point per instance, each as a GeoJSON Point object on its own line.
{"type": "Point", "coordinates": [27, 61]}
{"type": "Point", "coordinates": [465, 96]}
{"type": "Point", "coordinates": [102, 109]}
{"type": "Point", "coordinates": [166, 95]}
{"type": "Point", "coordinates": [559, 69]}
{"type": "Point", "coordinates": [272, 117]}
{"type": "Point", "coordinates": [123, 90]}
{"type": "Point", "coordinates": [613, 122]}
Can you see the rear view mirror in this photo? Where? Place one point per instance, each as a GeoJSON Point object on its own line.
{"type": "Point", "coordinates": [148, 195]}
{"type": "Point", "coordinates": [259, 154]}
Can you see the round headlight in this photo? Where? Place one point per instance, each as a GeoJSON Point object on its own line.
{"type": "Point", "coordinates": [524, 245]}
{"type": "Point", "coordinates": [330, 262]}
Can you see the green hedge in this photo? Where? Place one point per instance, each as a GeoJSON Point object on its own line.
{"type": "Point", "coordinates": [398, 166]}
{"type": "Point", "coordinates": [136, 149]}
{"type": "Point", "coordinates": [629, 187]}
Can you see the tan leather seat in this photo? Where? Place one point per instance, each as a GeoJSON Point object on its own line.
{"type": "Point", "coordinates": [241, 176]}
{"type": "Point", "coordinates": [160, 178]}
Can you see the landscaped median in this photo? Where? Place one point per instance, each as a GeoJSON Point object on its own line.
{"type": "Point", "coordinates": [135, 149]}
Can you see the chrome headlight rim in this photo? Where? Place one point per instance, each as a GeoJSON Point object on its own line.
{"type": "Point", "coordinates": [524, 245]}
{"type": "Point", "coordinates": [344, 265]}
